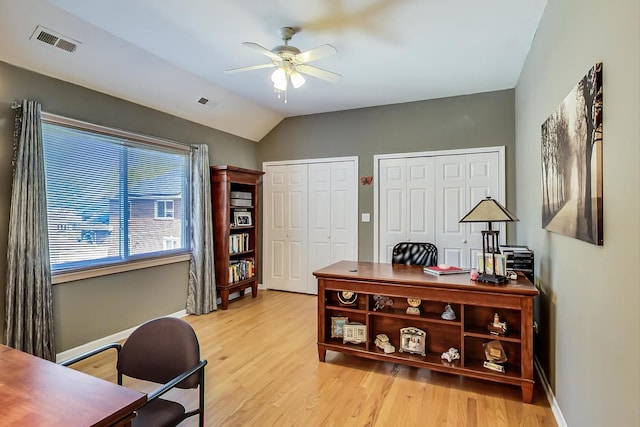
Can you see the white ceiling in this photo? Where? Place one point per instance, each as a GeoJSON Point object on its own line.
{"type": "Point", "coordinates": [166, 54]}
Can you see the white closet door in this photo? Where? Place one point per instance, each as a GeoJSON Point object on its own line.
{"type": "Point", "coordinates": [451, 206]}
{"type": "Point", "coordinates": [461, 182]}
{"type": "Point", "coordinates": [482, 181]}
{"type": "Point", "coordinates": [319, 220]}
{"type": "Point", "coordinates": [332, 215]}
{"type": "Point", "coordinates": [392, 205]}
{"type": "Point", "coordinates": [286, 228]}
{"type": "Point", "coordinates": [407, 211]}
{"type": "Point", "coordinates": [344, 212]}
{"type": "Point", "coordinates": [420, 200]}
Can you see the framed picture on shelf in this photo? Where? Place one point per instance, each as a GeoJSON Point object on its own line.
{"type": "Point", "coordinates": [413, 340]}
{"type": "Point", "coordinates": [241, 219]}
{"type": "Point", "coordinates": [355, 333]}
{"type": "Point", "coordinates": [337, 326]}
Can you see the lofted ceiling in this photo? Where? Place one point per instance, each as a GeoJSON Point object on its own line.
{"type": "Point", "coordinates": [167, 54]}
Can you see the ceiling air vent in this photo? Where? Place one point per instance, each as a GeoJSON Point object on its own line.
{"type": "Point", "coordinates": [52, 38]}
{"type": "Point", "coordinates": [206, 102]}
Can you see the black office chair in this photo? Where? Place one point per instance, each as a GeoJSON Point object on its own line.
{"type": "Point", "coordinates": [164, 351]}
{"type": "Point", "coordinates": [415, 253]}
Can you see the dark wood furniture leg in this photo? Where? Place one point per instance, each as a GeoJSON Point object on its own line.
{"type": "Point", "coordinates": [224, 297]}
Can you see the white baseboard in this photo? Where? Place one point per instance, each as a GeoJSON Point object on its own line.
{"type": "Point", "coordinates": [105, 340]}
{"type": "Point", "coordinates": [555, 408]}
{"type": "Point", "coordinates": [67, 354]}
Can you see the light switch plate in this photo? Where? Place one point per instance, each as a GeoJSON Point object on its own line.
{"type": "Point", "coordinates": [366, 217]}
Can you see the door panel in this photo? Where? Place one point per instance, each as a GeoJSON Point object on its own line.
{"type": "Point", "coordinates": [451, 194]}
{"type": "Point", "coordinates": [392, 205]}
{"type": "Point", "coordinates": [332, 215]}
{"type": "Point", "coordinates": [286, 231]}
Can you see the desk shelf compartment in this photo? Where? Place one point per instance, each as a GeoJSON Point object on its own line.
{"type": "Point", "coordinates": [440, 337]}
{"type": "Point", "coordinates": [476, 319]}
{"type": "Point", "coordinates": [474, 356]}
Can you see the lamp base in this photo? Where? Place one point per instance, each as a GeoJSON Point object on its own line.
{"type": "Point", "coordinates": [491, 278]}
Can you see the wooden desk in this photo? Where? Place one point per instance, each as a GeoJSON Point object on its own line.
{"type": "Point", "coordinates": [474, 305]}
{"type": "Point", "coordinates": [36, 392]}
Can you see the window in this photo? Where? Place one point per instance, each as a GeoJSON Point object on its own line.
{"type": "Point", "coordinates": [164, 209]}
{"type": "Point", "coordinates": [170, 242]}
{"type": "Point", "coordinates": [105, 191]}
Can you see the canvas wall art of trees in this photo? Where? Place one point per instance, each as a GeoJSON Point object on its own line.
{"type": "Point", "coordinates": [572, 162]}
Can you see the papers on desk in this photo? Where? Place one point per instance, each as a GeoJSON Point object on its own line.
{"type": "Point", "coordinates": [438, 270]}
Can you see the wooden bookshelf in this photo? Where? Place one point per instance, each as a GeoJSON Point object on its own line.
{"type": "Point", "coordinates": [236, 210]}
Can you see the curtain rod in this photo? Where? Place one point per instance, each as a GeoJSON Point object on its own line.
{"type": "Point", "coordinates": [15, 105]}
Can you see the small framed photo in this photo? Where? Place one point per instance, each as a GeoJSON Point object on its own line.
{"type": "Point", "coordinates": [337, 326]}
{"type": "Point", "coordinates": [413, 340]}
{"type": "Point", "coordinates": [355, 333]}
{"type": "Point", "coordinates": [242, 219]}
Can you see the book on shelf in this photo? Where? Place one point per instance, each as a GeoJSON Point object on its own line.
{"type": "Point", "coordinates": [500, 260]}
{"type": "Point", "coordinates": [439, 270]}
{"type": "Point", "coordinates": [242, 269]}
{"type": "Point", "coordinates": [239, 243]}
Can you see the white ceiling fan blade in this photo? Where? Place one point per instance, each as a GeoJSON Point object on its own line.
{"type": "Point", "coordinates": [315, 53]}
{"type": "Point", "coordinates": [249, 68]}
{"type": "Point", "coordinates": [262, 50]}
{"type": "Point", "coordinates": [319, 73]}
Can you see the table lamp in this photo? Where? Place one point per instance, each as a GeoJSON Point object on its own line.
{"type": "Point", "coordinates": [489, 210]}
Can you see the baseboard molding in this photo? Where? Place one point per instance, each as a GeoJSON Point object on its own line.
{"type": "Point", "coordinates": [105, 340]}
{"type": "Point", "coordinates": [555, 408]}
{"type": "Point", "coordinates": [67, 354]}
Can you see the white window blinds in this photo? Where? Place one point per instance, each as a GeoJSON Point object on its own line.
{"type": "Point", "coordinates": [112, 199]}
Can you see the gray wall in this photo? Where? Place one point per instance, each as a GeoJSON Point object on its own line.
{"type": "Point", "coordinates": [90, 309]}
{"type": "Point", "coordinates": [591, 296]}
{"type": "Point", "coordinates": [479, 120]}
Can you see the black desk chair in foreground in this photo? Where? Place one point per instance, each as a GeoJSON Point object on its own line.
{"type": "Point", "coordinates": [163, 351]}
{"type": "Point", "coordinates": [415, 253]}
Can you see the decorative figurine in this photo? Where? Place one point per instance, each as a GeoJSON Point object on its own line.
{"type": "Point", "coordinates": [497, 327]}
{"type": "Point", "coordinates": [383, 343]}
{"type": "Point", "coordinates": [382, 302]}
{"type": "Point", "coordinates": [414, 304]}
{"type": "Point", "coordinates": [451, 355]}
{"type": "Point", "coordinates": [448, 313]}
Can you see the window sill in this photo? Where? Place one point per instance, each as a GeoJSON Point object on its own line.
{"type": "Point", "coordinates": [117, 268]}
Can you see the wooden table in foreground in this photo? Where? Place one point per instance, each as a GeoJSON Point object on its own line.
{"type": "Point", "coordinates": [474, 303]}
{"type": "Point", "coordinates": [36, 392]}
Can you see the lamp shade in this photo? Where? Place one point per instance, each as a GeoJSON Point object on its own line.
{"type": "Point", "coordinates": [279, 79]}
{"type": "Point", "coordinates": [296, 79]}
{"type": "Point", "coordinates": [489, 210]}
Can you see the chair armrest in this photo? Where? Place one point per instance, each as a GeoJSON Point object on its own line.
{"type": "Point", "coordinates": [169, 385]}
{"type": "Point", "coordinates": [90, 353]}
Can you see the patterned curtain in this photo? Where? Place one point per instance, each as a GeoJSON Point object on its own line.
{"type": "Point", "coordinates": [29, 306]}
{"type": "Point", "coordinates": [201, 293]}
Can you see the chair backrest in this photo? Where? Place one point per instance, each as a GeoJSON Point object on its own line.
{"type": "Point", "coordinates": [416, 253]}
{"type": "Point", "coordinates": [159, 350]}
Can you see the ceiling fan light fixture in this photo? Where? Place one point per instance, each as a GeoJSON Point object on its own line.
{"type": "Point", "coordinates": [296, 79]}
{"type": "Point", "coordinates": [279, 79]}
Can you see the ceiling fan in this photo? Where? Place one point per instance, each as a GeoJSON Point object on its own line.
{"type": "Point", "coordinates": [291, 63]}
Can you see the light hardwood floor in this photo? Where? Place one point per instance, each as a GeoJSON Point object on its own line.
{"type": "Point", "coordinates": [264, 371]}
